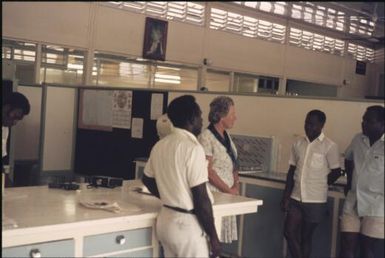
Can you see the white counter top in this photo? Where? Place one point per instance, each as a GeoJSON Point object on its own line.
{"type": "Point", "coordinates": [40, 210]}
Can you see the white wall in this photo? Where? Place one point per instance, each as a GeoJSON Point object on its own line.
{"type": "Point", "coordinates": [93, 26]}
{"type": "Point", "coordinates": [63, 23]}
{"type": "Point", "coordinates": [59, 129]}
{"type": "Point", "coordinates": [27, 132]}
{"type": "Point", "coordinates": [283, 118]}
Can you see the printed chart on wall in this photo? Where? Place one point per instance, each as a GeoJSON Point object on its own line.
{"type": "Point", "coordinates": [156, 105]}
{"type": "Point", "coordinates": [104, 110]}
{"type": "Point", "coordinates": [121, 109]}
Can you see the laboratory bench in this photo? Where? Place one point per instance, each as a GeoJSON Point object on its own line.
{"type": "Point", "coordinates": [39, 221]}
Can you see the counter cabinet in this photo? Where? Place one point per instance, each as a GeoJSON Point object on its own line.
{"type": "Point", "coordinates": [263, 232]}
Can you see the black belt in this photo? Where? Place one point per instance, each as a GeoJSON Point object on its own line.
{"type": "Point", "coordinates": [179, 209]}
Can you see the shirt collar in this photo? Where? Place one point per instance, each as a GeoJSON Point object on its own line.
{"type": "Point", "coordinates": [320, 137]}
{"type": "Point", "coordinates": [186, 133]}
{"type": "Point", "coordinates": [366, 138]}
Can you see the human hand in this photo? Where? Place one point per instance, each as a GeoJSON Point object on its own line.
{"type": "Point", "coordinates": [234, 189]}
{"type": "Point", "coordinates": [215, 248]}
{"type": "Point", "coordinates": [346, 189]}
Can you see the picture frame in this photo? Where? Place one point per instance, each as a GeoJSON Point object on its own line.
{"type": "Point", "coordinates": [155, 39]}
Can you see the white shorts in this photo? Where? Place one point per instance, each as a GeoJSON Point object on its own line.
{"type": "Point", "coordinates": [180, 234]}
{"type": "Point", "coordinates": [368, 226]}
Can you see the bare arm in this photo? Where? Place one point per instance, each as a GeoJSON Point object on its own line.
{"type": "Point", "coordinates": [288, 188]}
{"type": "Point", "coordinates": [334, 175]}
{"type": "Point", "coordinates": [204, 212]}
{"type": "Point", "coordinates": [349, 166]}
{"type": "Point", "coordinates": [150, 183]}
{"type": "Point", "coordinates": [216, 181]}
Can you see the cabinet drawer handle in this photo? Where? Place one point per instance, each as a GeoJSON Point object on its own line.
{"type": "Point", "coordinates": [120, 240]}
{"type": "Point", "coordinates": [35, 253]}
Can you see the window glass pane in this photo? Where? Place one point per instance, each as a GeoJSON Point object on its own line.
{"type": "Point", "coordinates": [110, 70]}
{"type": "Point", "coordinates": [268, 84]}
{"type": "Point", "coordinates": [217, 81]}
{"type": "Point", "coordinates": [245, 83]}
{"type": "Point", "coordinates": [62, 65]}
{"type": "Point", "coordinates": [303, 88]}
{"type": "Point", "coordinates": [23, 55]}
{"type": "Point", "coordinates": [175, 78]}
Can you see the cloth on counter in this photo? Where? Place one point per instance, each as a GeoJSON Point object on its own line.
{"type": "Point", "coordinates": [102, 205]}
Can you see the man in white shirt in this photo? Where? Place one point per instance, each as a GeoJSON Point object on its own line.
{"type": "Point", "coordinates": [176, 172]}
{"type": "Point", "coordinates": [314, 164]}
{"type": "Point", "coordinates": [15, 107]}
{"type": "Point", "coordinates": [363, 213]}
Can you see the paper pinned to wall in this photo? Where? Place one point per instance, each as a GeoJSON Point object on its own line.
{"type": "Point", "coordinates": [137, 128]}
{"type": "Point", "coordinates": [96, 110]}
{"type": "Point", "coordinates": [122, 109]}
{"type": "Point", "coordinates": [156, 105]}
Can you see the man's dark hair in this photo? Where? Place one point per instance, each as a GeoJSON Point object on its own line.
{"type": "Point", "coordinates": [17, 100]}
{"type": "Point", "coordinates": [319, 114]}
{"type": "Point", "coordinates": [183, 110]}
{"type": "Point", "coordinates": [378, 111]}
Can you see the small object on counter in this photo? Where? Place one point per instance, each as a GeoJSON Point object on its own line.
{"type": "Point", "coordinates": [105, 181]}
{"type": "Point", "coordinates": [103, 205]}
{"type": "Point", "coordinates": [65, 186]}
{"type": "Point", "coordinates": [142, 189]}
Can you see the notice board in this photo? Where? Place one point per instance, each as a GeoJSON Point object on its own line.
{"type": "Point", "coordinates": [110, 150]}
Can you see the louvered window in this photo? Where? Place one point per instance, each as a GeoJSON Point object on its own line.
{"type": "Point", "coordinates": [313, 41]}
{"type": "Point", "coordinates": [16, 50]}
{"type": "Point", "coordinates": [361, 26]}
{"type": "Point", "coordinates": [181, 11]}
{"type": "Point", "coordinates": [246, 26]}
{"type": "Point", "coordinates": [271, 7]}
{"type": "Point", "coordinates": [361, 53]}
{"type": "Point", "coordinates": [317, 14]}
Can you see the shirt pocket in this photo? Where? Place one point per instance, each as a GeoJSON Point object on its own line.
{"type": "Point", "coordinates": [317, 161]}
{"type": "Point", "coordinates": [376, 164]}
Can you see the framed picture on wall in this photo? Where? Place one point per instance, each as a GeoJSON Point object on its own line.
{"type": "Point", "coordinates": [360, 67]}
{"type": "Point", "coordinates": [155, 39]}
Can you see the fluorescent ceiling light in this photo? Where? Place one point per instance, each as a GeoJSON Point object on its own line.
{"type": "Point", "coordinates": [169, 68]}
{"type": "Point", "coordinates": [75, 66]}
{"type": "Point", "coordinates": [167, 81]}
{"type": "Point", "coordinates": [166, 76]}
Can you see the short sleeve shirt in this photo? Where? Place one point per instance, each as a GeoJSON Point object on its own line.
{"type": "Point", "coordinates": [178, 163]}
{"type": "Point", "coordinates": [313, 161]}
{"type": "Point", "coordinates": [367, 192]}
{"type": "Point", "coordinates": [222, 163]}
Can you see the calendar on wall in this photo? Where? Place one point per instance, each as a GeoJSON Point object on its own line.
{"type": "Point", "coordinates": [254, 153]}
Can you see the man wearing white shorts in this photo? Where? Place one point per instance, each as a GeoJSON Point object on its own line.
{"type": "Point", "coordinates": [363, 213]}
{"type": "Point", "coordinates": [176, 172]}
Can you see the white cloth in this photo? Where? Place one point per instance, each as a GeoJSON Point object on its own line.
{"type": "Point", "coordinates": [367, 192]}
{"type": "Point", "coordinates": [313, 161]}
{"type": "Point", "coordinates": [164, 126]}
{"type": "Point", "coordinates": [181, 234]}
{"type": "Point", "coordinates": [178, 163]}
{"type": "Point", "coordinates": [4, 138]}
{"type": "Point", "coordinates": [223, 166]}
